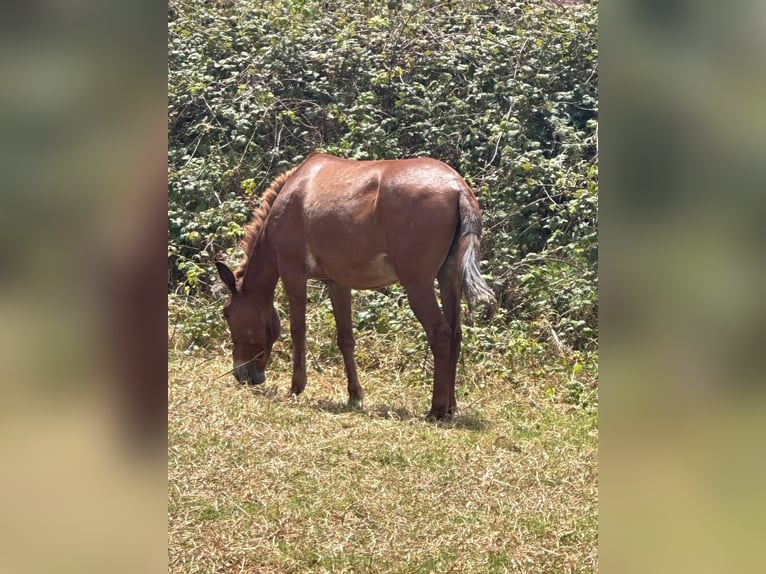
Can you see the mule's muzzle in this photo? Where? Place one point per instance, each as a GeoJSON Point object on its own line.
{"type": "Point", "coordinates": [249, 375]}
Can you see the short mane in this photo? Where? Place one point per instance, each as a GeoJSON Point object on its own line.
{"type": "Point", "coordinates": [259, 214]}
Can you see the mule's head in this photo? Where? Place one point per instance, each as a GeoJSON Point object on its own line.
{"type": "Point", "coordinates": [254, 327]}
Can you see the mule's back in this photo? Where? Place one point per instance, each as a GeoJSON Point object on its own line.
{"type": "Point", "coordinates": [366, 224]}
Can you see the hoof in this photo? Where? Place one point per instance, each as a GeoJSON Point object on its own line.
{"type": "Point", "coordinates": [355, 402]}
{"type": "Point", "coordinates": [440, 414]}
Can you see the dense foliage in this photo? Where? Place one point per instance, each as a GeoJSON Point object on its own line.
{"type": "Point", "coordinates": [505, 92]}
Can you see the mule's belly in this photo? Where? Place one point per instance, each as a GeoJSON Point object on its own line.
{"type": "Point", "coordinates": [370, 273]}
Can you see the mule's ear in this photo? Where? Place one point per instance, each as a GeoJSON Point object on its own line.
{"type": "Point", "coordinates": [226, 276]}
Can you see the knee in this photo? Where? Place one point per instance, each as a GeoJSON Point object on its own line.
{"type": "Point", "coordinates": [345, 341]}
{"type": "Point", "coordinates": [440, 337]}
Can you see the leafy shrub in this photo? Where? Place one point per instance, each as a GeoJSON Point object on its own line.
{"type": "Point", "coordinates": [505, 92]}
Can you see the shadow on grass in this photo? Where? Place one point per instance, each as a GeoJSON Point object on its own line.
{"type": "Point", "coordinates": [470, 420]}
{"type": "Point", "coordinates": [378, 411]}
{"type": "Point", "coordinates": [335, 407]}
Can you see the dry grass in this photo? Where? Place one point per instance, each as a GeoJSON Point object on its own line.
{"type": "Point", "coordinates": [262, 483]}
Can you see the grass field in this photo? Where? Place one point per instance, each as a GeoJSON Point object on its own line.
{"type": "Point", "coordinates": [259, 482]}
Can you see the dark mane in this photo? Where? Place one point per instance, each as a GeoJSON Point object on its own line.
{"type": "Point", "coordinates": [259, 214]}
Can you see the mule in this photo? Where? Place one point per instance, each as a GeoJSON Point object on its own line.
{"type": "Point", "coordinates": [358, 225]}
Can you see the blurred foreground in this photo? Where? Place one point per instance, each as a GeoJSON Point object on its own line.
{"type": "Point", "coordinates": [82, 289]}
{"type": "Point", "coordinates": [682, 421]}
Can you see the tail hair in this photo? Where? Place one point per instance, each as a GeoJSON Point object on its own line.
{"type": "Point", "coordinates": [475, 288]}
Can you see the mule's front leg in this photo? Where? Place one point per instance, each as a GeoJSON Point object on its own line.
{"type": "Point", "coordinates": [341, 306]}
{"type": "Point", "coordinates": [297, 298]}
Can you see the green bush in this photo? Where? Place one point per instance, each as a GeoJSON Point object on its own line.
{"type": "Point", "coordinates": [505, 92]}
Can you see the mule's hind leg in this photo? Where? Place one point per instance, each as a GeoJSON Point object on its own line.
{"type": "Point", "coordinates": [449, 288]}
{"type": "Point", "coordinates": [341, 306]}
{"type": "Point", "coordinates": [423, 303]}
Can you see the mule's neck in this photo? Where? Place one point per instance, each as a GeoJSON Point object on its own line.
{"type": "Point", "coordinates": [261, 275]}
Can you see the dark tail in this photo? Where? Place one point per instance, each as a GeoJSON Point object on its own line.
{"type": "Point", "coordinates": [476, 290]}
